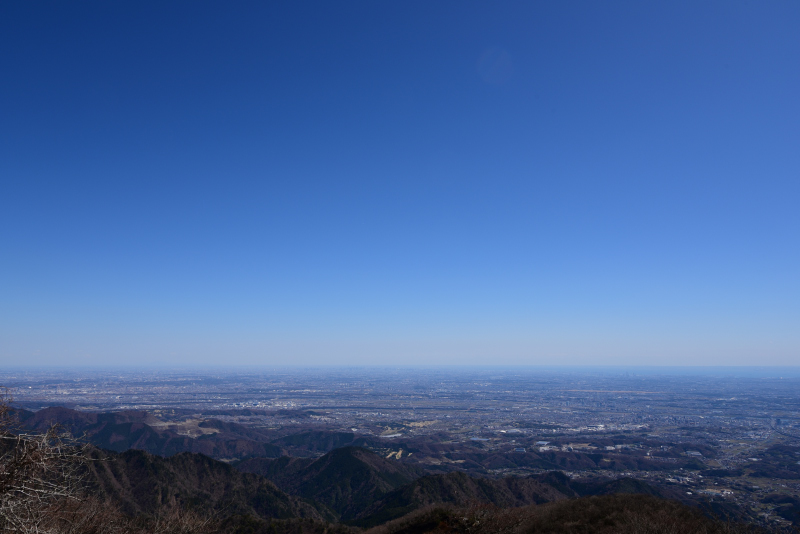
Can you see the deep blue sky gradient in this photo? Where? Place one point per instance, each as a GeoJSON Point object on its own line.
{"type": "Point", "coordinates": [400, 183]}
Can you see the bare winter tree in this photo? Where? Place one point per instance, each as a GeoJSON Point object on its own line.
{"type": "Point", "coordinates": [42, 489]}
{"type": "Point", "coordinates": [38, 472]}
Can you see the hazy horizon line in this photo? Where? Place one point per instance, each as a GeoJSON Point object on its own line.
{"type": "Point", "coordinates": [237, 368]}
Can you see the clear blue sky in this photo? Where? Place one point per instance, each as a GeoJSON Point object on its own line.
{"type": "Point", "coordinates": [400, 183]}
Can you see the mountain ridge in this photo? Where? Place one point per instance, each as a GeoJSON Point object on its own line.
{"type": "Point", "coordinates": [346, 479]}
{"type": "Point", "coordinates": [142, 483]}
{"type": "Point", "coordinates": [120, 431]}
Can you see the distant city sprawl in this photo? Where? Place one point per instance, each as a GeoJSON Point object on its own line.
{"type": "Point", "coordinates": [732, 439]}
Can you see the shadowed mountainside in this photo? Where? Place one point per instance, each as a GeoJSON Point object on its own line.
{"type": "Point", "coordinates": [617, 514]}
{"type": "Point", "coordinates": [460, 489]}
{"type": "Point", "coordinates": [142, 483]}
{"type": "Point", "coordinates": [316, 441]}
{"type": "Point", "coordinates": [365, 489]}
{"type": "Point", "coordinates": [347, 480]}
{"type": "Point", "coordinates": [348, 484]}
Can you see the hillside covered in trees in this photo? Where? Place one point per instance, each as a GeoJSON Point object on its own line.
{"type": "Point", "coordinates": [51, 482]}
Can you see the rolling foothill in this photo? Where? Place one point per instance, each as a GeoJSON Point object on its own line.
{"type": "Point", "coordinates": [363, 447]}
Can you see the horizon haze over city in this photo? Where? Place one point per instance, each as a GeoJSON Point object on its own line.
{"type": "Point", "coordinates": [412, 184]}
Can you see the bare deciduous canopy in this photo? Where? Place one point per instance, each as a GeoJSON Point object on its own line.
{"type": "Point", "coordinates": [38, 473]}
{"type": "Point", "coordinates": [42, 489]}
